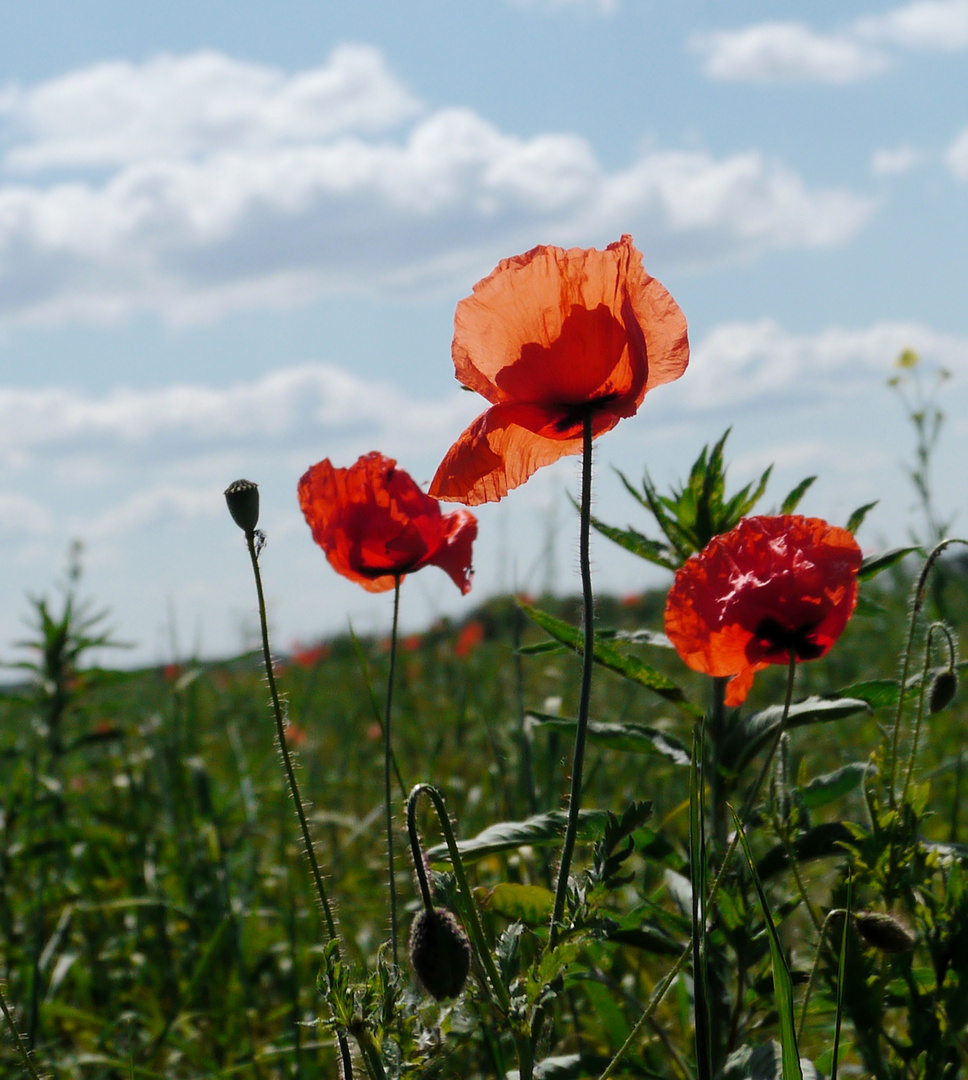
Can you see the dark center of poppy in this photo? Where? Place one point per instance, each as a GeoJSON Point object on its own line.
{"type": "Point", "coordinates": [781, 639]}
{"type": "Point", "coordinates": [573, 420]}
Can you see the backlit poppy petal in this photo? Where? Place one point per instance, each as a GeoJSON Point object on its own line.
{"type": "Point", "coordinates": [375, 524]}
{"type": "Point", "coordinates": [770, 588]}
{"type": "Point", "coordinates": [559, 332]}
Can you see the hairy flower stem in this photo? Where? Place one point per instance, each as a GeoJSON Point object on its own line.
{"type": "Point", "coordinates": [344, 1049]}
{"type": "Point", "coordinates": [499, 991]}
{"type": "Point", "coordinates": [387, 762]}
{"type": "Point", "coordinates": [18, 1041]}
{"type": "Point", "coordinates": [917, 602]}
{"type": "Point", "coordinates": [768, 760]}
{"type": "Point", "coordinates": [588, 659]}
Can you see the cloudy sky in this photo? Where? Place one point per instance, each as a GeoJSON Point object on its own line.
{"type": "Point", "coordinates": [232, 240]}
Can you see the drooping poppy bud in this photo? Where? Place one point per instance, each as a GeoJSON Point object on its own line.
{"type": "Point", "coordinates": [884, 932]}
{"type": "Point", "coordinates": [440, 953]}
{"type": "Point", "coordinates": [944, 686]}
{"type": "Point", "coordinates": [242, 498]}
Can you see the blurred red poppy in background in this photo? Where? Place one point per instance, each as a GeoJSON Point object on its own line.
{"type": "Point", "coordinates": [469, 638]}
{"type": "Point", "coordinates": [547, 336]}
{"type": "Point", "coordinates": [376, 525]}
{"type": "Point", "coordinates": [772, 588]}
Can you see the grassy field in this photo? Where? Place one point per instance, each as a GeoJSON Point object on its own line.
{"type": "Point", "coordinates": [157, 918]}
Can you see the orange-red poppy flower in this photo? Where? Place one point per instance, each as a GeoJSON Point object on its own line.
{"type": "Point", "coordinates": [770, 588]}
{"type": "Point", "coordinates": [546, 337]}
{"type": "Point", "coordinates": [376, 525]}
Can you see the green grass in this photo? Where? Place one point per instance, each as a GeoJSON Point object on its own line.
{"type": "Point", "coordinates": [157, 916]}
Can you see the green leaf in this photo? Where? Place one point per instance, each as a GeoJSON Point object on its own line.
{"type": "Point", "coordinates": [616, 659]}
{"type": "Point", "coordinates": [507, 835]}
{"type": "Point", "coordinates": [528, 904]}
{"type": "Point", "coordinates": [632, 738]}
{"type": "Point", "coordinates": [782, 983]}
{"type": "Point", "coordinates": [856, 519]}
{"type": "Point", "coordinates": [751, 733]}
{"type": "Point", "coordinates": [874, 564]}
{"type": "Point", "coordinates": [792, 501]}
{"type": "Point", "coordinates": [878, 693]}
{"type": "Point", "coordinates": [823, 790]}
{"type": "Point", "coordinates": [653, 551]}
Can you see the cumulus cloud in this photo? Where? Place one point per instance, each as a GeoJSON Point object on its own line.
{"type": "Point", "coordinates": [754, 364]}
{"type": "Point", "coordinates": [287, 406]}
{"type": "Point", "coordinates": [957, 156]}
{"type": "Point", "coordinates": [786, 52]}
{"type": "Point", "coordinates": [773, 52]}
{"type": "Point", "coordinates": [199, 185]}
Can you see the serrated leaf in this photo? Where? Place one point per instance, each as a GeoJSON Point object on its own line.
{"type": "Point", "coordinates": [823, 790]}
{"type": "Point", "coordinates": [653, 551]}
{"type": "Point", "coordinates": [751, 733]}
{"type": "Point", "coordinates": [631, 738]}
{"type": "Point", "coordinates": [528, 904]}
{"type": "Point", "coordinates": [616, 659]}
{"type": "Point", "coordinates": [874, 564]}
{"type": "Point", "coordinates": [508, 835]}
{"type": "Point", "coordinates": [792, 501]}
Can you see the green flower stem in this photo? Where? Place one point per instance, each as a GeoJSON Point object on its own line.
{"type": "Point", "coordinates": [387, 760]}
{"type": "Point", "coordinates": [588, 659]}
{"type": "Point", "coordinates": [665, 984]}
{"type": "Point", "coordinates": [925, 689]}
{"type": "Point", "coordinates": [917, 602]}
{"type": "Point", "coordinates": [18, 1041]}
{"type": "Point", "coordinates": [344, 1049]}
{"type": "Point", "coordinates": [768, 760]}
{"type": "Point", "coordinates": [499, 991]}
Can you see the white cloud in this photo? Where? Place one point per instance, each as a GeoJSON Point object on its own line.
{"type": "Point", "coordinates": [197, 105]}
{"type": "Point", "coordinates": [22, 517]}
{"type": "Point", "coordinates": [772, 52]}
{"type": "Point", "coordinates": [245, 187]}
{"type": "Point", "coordinates": [287, 406]}
{"type": "Point", "coordinates": [786, 52]}
{"type": "Point", "coordinates": [935, 25]}
{"type": "Point", "coordinates": [957, 156]}
{"type": "Point", "coordinates": [761, 364]}
{"type": "Point", "coordinates": [896, 161]}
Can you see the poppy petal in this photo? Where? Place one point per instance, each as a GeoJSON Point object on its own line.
{"type": "Point", "coordinates": [454, 553]}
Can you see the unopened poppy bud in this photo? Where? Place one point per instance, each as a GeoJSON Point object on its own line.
{"type": "Point", "coordinates": [885, 932]}
{"type": "Point", "coordinates": [944, 686]}
{"type": "Point", "coordinates": [440, 953]}
{"type": "Point", "coordinates": [242, 497]}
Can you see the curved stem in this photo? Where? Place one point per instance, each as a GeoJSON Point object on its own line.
{"type": "Point", "coordinates": [917, 602]}
{"type": "Point", "coordinates": [417, 852]}
{"type": "Point", "coordinates": [924, 689]}
{"type": "Point", "coordinates": [387, 761]}
{"type": "Point", "coordinates": [588, 659]}
{"type": "Point", "coordinates": [346, 1062]}
{"type": "Point", "coordinates": [475, 928]}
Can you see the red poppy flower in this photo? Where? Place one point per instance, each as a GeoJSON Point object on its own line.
{"type": "Point", "coordinates": [375, 524]}
{"type": "Point", "coordinates": [770, 588]}
{"type": "Point", "coordinates": [546, 336]}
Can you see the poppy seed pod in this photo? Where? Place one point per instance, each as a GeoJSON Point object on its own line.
{"type": "Point", "coordinates": [884, 932]}
{"type": "Point", "coordinates": [944, 686]}
{"type": "Point", "coordinates": [242, 498]}
{"type": "Point", "coordinates": [440, 953]}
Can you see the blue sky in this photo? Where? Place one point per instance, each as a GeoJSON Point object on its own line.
{"type": "Point", "coordinates": [232, 240]}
